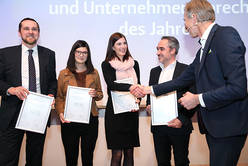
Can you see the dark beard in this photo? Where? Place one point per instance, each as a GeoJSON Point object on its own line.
{"type": "Point", "coordinates": [30, 43]}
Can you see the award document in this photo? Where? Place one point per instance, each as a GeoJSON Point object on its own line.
{"type": "Point", "coordinates": [34, 113]}
{"type": "Point", "coordinates": [164, 108]}
{"type": "Point", "coordinates": [123, 101]}
{"type": "Point", "coordinates": [78, 104]}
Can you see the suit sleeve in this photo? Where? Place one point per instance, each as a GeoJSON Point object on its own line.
{"type": "Point", "coordinates": [230, 51]}
{"type": "Point", "coordinates": [3, 85]}
{"type": "Point", "coordinates": [186, 79]}
{"type": "Point", "coordinates": [52, 87]}
{"type": "Point", "coordinates": [109, 77]}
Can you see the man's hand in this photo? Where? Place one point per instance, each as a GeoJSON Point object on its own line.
{"type": "Point", "coordinates": [62, 118]}
{"type": "Point", "coordinates": [189, 100]}
{"type": "Point", "coordinates": [148, 109]}
{"type": "Point", "coordinates": [136, 91]}
{"type": "Point", "coordinates": [51, 95]}
{"type": "Point", "coordinates": [175, 123]}
{"type": "Point", "coordinates": [19, 91]}
{"type": "Point", "coordinates": [140, 91]}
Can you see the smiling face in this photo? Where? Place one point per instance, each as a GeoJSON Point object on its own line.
{"type": "Point", "coordinates": [29, 33]}
{"type": "Point", "coordinates": [164, 52]}
{"type": "Point", "coordinates": [81, 55]}
{"type": "Point", "coordinates": [191, 25]}
{"type": "Point", "coordinates": [120, 47]}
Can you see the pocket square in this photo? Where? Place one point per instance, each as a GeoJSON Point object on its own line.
{"type": "Point", "coordinates": [209, 52]}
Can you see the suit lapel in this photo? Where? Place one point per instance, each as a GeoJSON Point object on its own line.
{"type": "Point", "coordinates": [207, 45]}
{"type": "Point", "coordinates": [41, 65]}
{"type": "Point", "coordinates": [177, 71]}
{"type": "Point", "coordinates": [156, 75]}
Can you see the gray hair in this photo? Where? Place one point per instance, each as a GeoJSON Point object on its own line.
{"type": "Point", "coordinates": [172, 43]}
{"type": "Point", "coordinates": [202, 8]}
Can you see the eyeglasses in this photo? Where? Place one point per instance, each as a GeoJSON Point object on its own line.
{"type": "Point", "coordinates": [79, 53]}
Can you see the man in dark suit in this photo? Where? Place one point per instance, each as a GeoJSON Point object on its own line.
{"type": "Point", "coordinates": [176, 134]}
{"type": "Point", "coordinates": [23, 68]}
{"type": "Point", "coordinates": [219, 73]}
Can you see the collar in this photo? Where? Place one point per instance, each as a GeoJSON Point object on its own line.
{"type": "Point", "coordinates": [170, 66]}
{"type": "Point", "coordinates": [25, 48]}
{"type": "Point", "coordinates": [206, 33]}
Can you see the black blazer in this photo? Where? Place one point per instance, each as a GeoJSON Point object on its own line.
{"type": "Point", "coordinates": [10, 76]}
{"type": "Point", "coordinates": [183, 115]}
{"type": "Point", "coordinates": [221, 77]}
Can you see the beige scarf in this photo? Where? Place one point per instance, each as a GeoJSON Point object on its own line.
{"type": "Point", "coordinates": [124, 69]}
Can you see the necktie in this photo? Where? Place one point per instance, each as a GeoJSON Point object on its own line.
{"type": "Point", "coordinates": [32, 74]}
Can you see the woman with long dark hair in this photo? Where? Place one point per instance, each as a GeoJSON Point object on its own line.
{"type": "Point", "coordinates": [121, 129]}
{"type": "Point", "coordinates": [79, 72]}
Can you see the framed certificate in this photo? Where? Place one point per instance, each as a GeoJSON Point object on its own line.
{"type": "Point", "coordinates": [123, 101]}
{"type": "Point", "coordinates": [78, 105]}
{"type": "Point", "coordinates": [164, 108]}
{"type": "Point", "coordinates": [34, 113]}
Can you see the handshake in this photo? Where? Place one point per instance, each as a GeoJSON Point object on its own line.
{"type": "Point", "coordinates": [188, 100]}
{"type": "Point", "coordinates": [139, 91]}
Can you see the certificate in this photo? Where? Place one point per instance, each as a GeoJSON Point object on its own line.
{"type": "Point", "coordinates": [164, 108]}
{"type": "Point", "coordinates": [123, 101]}
{"type": "Point", "coordinates": [34, 113]}
{"type": "Point", "coordinates": [78, 105]}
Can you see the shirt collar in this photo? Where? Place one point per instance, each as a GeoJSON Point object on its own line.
{"type": "Point", "coordinates": [206, 33]}
{"type": "Point", "coordinates": [172, 65]}
{"type": "Point", "coordinates": [25, 48]}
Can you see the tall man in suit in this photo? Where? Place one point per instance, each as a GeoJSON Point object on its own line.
{"type": "Point", "coordinates": [219, 73]}
{"type": "Point", "coordinates": [177, 133]}
{"type": "Point", "coordinates": [23, 68]}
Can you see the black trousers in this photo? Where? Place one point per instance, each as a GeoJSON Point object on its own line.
{"type": "Point", "coordinates": [225, 151]}
{"type": "Point", "coordinates": [163, 144]}
{"type": "Point", "coordinates": [10, 145]}
{"type": "Point", "coordinates": [71, 134]}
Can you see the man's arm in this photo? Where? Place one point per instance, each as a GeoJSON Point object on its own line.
{"type": "Point", "coordinates": [52, 81]}
{"type": "Point", "coordinates": [3, 85]}
{"type": "Point", "coordinates": [186, 79]}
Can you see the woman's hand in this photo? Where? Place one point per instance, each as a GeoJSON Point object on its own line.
{"type": "Point", "coordinates": [148, 109]}
{"type": "Point", "coordinates": [137, 101]}
{"type": "Point", "coordinates": [62, 118]}
{"type": "Point", "coordinates": [92, 92]}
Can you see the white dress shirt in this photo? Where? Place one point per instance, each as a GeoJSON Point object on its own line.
{"type": "Point", "coordinates": [167, 72]}
{"type": "Point", "coordinates": [25, 69]}
{"type": "Point", "coordinates": [203, 42]}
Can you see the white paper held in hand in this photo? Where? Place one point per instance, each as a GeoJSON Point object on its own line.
{"type": "Point", "coordinates": [123, 101]}
{"type": "Point", "coordinates": [164, 108]}
{"type": "Point", "coordinates": [78, 105]}
{"type": "Point", "coordinates": [34, 113]}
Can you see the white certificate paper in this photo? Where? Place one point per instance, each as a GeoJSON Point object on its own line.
{"type": "Point", "coordinates": [34, 113]}
{"type": "Point", "coordinates": [123, 101]}
{"type": "Point", "coordinates": [164, 108]}
{"type": "Point", "coordinates": [78, 105]}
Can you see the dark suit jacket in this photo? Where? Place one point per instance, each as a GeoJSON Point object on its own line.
{"type": "Point", "coordinates": [221, 78]}
{"type": "Point", "coordinates": [183, 115]}
{"type": "Point", "coordinates": [10, 76]}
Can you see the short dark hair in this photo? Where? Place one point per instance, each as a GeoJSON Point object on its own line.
{"type": "Point", "coordinates": [110, 52]}
{"type": "Point", "coordinates": [71, 60]}
{"type": "Point", "coordinates": [172, 42]}
{"type": "Point", "coordinates": [30, 19]}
